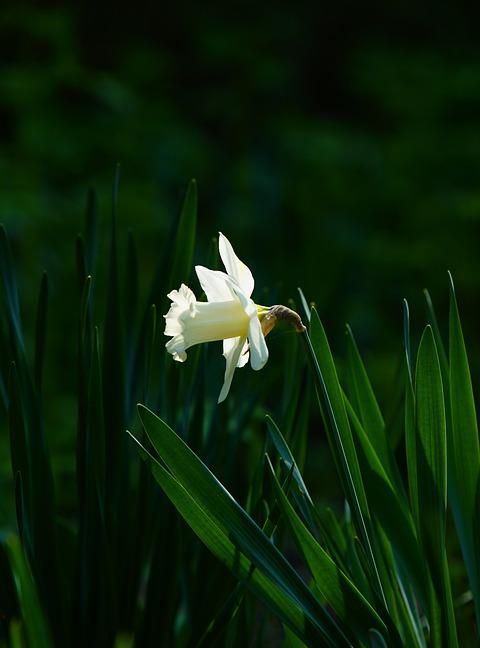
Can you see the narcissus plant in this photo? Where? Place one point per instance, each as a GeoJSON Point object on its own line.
{"type": "Point", "coordinates": [230, 314]}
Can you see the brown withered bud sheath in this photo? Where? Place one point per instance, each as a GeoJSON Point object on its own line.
{"type": "Point", "coordinates": [279, 312]}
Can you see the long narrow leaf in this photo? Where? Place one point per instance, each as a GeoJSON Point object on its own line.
{"type": "Point", "coordinates": [389, 506]}
{"type": "Point", "coordinates": [185, 239]}
{"type": "Point", "coordinates": [410, 432]}
{"type": "Point", "coordinates": [36, 628]}
{"type": "Point", "coordinates": [41, 331]}
{"type": "Point", "coordinates": [432, 486]}
{"type": "Point", "coordinates": [10, 288]}
{"type": "Point", "coordinates": [367, 408]}
{"type": "Point", "coordinates": [215, 536]}
{"type": "Point", "coordinates": [464, 452]}
{"type": "Point", "coordinates": [287, 457]}
{"type": "Point", "coordinates": [340, 593]}
{"type": "Point", "coordinates": [340, 437]}
{"type": "Point", "coordinates": [202, 485]}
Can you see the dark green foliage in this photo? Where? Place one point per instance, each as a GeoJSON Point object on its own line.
{"type": "Point", "coordinates": [115, 565]}
{"type": "Point", "coordinates": [383, 573]}
{"type": "Point", "coordinates": [266, 561]}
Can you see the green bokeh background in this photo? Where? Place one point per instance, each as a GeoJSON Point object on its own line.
{"type": "Point", "coordinates": [337, 146]}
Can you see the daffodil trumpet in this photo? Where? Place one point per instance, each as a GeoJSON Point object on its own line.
{"type": "Point", "coordinates": [229, 315]}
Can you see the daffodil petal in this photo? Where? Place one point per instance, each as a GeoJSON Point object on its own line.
{"type": "Point", "coordinates": [235, 268]}
{"type": "Point", "coordinates": [228, 345]}
{"type": "Point", "coordinates": [176, 346]}
{"type": "Point", "coordinates": [258, 347]}
{"type": "Point", "coordinates": [216, 285]}
{"type": "Point", "coordinates": [232, 357]}
{"type": "Point", "coordinates": [184, 295]}
{"type": "Point", "coordinates": [244, 357]}
{"type": "Point", "coordinates": [182, 300]}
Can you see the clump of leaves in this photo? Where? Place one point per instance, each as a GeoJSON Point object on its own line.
{"type": "Point", "coordinates": [116, 567]}
{"type": "Point", "coordinates": [121, 569]}
{"type": "Point", "coordinates": [380, 576]}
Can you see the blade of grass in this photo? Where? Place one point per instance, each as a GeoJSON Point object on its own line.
{"type": "Point", "coordinates": [31, 460]}
{"type": "Point", "coordinates": [410, 432]}
{"type": "Point", "coordinates": [41, 332]}
{"type": "Point", "coordinates": [389, 506]}
{"type": "Point", "coordinates": [305, 306]}
{"type": "Point", "coordinates": [115, 403]}
{"type": "Point", "coordinates": [464, 452]}
{"type": "Point", "coordinates": [8, 598]}
{"type": "Point", "coordinates": [442, 355]}
{"type": "Point", "coordinates": [222, 543]}
{"type": "Point", "coordinates": [94, 612]}
{"type": "Point", "coordinates": [340, 438]}
{"type": "Point", "coordinates": [34, 622]}
{"type": "Point", "coordinates": [201, 484]}
{"type": "Point", "coordinates": [131, 287]}
{"type": "Point", "coordinates": [182, 262]}
{"type": "Point", "coordinates": [223, 618]}
{"type": "Point", "coordinates": [397, 536]}
{"type": "Point", "coordinates": [300, 493]}
{"type": "Point", "coordinates": [113, 377]}
{"type": "Point", "coordinates": [368, 410]}
{"type": "Point", "coordinates": [431, 458]}
{"type": "Point", "coordinates": [10, 289]}
{"type": "Point", "coordinates": [287, 457]}
{"type": "Point", "coordinates": [340, 593]}
{"type": "Point", "coordinates": [85, 336]}
{"type": "Point", "coordinates": [91, 232]}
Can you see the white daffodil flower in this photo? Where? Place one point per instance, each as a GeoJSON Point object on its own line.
{"type": "Point", "coordinates": [229, 315]}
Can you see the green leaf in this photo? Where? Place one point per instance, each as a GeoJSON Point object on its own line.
{"type": "Point", "coordinates": [95, 588]}
{"type": "Point", "coordinates": [431, 458]}
{"type": "Point", "coordinates": [35, 504]}
{"type": "Point", "coordinates": [228, 520]}
{"type": "Point", "coordinates": [10, 290]}
{"type": "Point", "coordinates": [431, 446]}
{"type": "Point", "coordinates": [185, 239]}
{"type": "Point", "coordinates": [294, 395]}
{"type": "Point", "coordinates": [464, 452]}
{"type": "Point", "coordinates": [130, 318]}
{"type": "Point", "coordinates": [410, 431]}
{"type": "Point", "coordinates": [377, 641]}
{"type": "Point", "coordinates": [305, 306]}
{"type": "Point", "coordinates": [217, 540]}
{"type": "Point", "coordinates": [366, 406]}
{"type": "Point", "coordinates": [131, 289]}
{"type": "Point", "coordinates": [36, 628]}
{"type": "Point", "coordinates": [329, 532]}
{"type": "Point", "coordinates": [30, 456]}
{"type": "Point", "coordinates": [151, 336]}
{"type": "Point", "coordinates": [214, 536]}
{"type": "Point", "coordinates": [436, 334]}
{"type": "Point", "coordinates": [340, 438]}
{"type": "Point", "coordinates": [19, 448]}
{"type": "Point", "coordinates": [41, 331]}
{"type": "Point", "coordinates": [402, 561]}
{"type": "Point", "coordinates": [223, 618]}
{"type": "Point", "coordinates": [91, 232]}
{"type": "Point", "coordinates": [286, 456]}
{"type": "Point", "coordinates": [353, 610]}
{"type": "Point", "coordinates": [85, 336]}
{"type": "Point", "coordinates": [113, 371]}
{"type": "Point", "coordinates": [301, 495]}
{"type": "Point", "coordinates": [389, 506]}
{"type": "Point", "coordinates": [115, 403]}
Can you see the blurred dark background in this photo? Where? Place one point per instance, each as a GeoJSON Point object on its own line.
{"type": "Point", "coordinates": [336, 145]}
